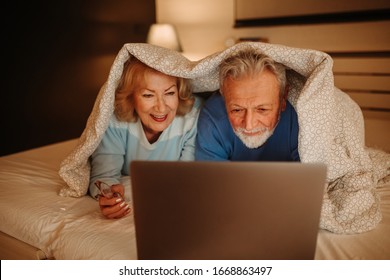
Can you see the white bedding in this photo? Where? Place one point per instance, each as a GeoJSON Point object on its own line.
{"type": "Point", "coordinates": [62, 227]}
{"type": "Point", "coordinates": [73, 228]}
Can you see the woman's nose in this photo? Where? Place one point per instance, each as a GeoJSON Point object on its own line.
{"type": "Point", "coordinates": [160, 105]}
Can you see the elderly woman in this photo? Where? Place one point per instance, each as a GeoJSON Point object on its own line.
{"type": "Point", "coordinates": [154, 119]}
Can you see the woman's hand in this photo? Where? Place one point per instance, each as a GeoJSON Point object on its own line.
{"type": "Point", "coordinates": [115, 207]}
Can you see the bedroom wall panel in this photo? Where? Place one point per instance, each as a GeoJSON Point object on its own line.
{"type": "Point", "coordinates": [251, 9]}
{"type": "Point", "coordinates": [362, 82]}
{"type": "Point", "coordinates": [57, 55]}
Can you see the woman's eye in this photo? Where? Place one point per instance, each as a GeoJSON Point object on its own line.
{"type": "Point", "coordinates": [147, 95]}
{"type": "Point", "coordinates": [170, 93]}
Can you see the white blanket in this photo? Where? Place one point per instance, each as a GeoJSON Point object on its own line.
{"type": "Point", "coordinates": [331, 128]}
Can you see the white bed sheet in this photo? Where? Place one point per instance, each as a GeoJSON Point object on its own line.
{"type": "Point", "coordinates": [73, 228]}
{"type": "Point", "coordinates": [62, 227]}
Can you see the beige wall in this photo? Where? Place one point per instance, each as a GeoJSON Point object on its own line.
{"type": "Point", "coordinates": [203, 25]}
{"type": "Point", "coordinates": [206, 26]}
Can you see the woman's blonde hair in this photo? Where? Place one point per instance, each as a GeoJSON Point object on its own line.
{"type": "Point", "coordinates": [133, 78]}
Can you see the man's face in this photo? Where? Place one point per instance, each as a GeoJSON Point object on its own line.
{"type": "Point", "coordinates": [253, 106]}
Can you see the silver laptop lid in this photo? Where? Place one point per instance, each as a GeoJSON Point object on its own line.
{"type": "Point", "coordinates": [226, 210]}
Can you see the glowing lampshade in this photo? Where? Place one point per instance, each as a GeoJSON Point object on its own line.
{"type": "Point", "coordinates": [164, 35]}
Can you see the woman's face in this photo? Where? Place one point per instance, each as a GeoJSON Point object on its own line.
{"type": "Point", "coordinates": [156, 104]}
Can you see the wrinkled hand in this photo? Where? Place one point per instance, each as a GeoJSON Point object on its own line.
{"type": "Point", "coordinates": [115, 207]}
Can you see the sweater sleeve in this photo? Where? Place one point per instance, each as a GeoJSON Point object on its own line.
{"type": "Point", "coordinates": [188, 150]}
{"type": "Point", "coordinates": [108, 159]}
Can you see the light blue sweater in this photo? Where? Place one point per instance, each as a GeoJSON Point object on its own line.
{"type": "Point", "coordinates": [126, 141]}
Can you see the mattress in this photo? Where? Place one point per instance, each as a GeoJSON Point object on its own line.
{"type": "Point", "coordinates": [37, 223]}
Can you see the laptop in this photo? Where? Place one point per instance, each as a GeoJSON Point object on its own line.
{"type": "Point", "coordinates": [203, 210]}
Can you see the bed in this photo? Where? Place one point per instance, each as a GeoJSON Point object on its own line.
{"type": "Point", "coordinates": [41, 217]}
{"type": "Point", "coordinates": [37, 223]}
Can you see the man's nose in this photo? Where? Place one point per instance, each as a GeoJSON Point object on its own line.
{"type": "Point", "coordinates": [249, 120]}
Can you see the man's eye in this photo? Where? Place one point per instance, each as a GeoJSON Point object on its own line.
{"type": "Point", "coordinates": [262, 110]}
{"type": "Point", "coordinates": [236, 111]}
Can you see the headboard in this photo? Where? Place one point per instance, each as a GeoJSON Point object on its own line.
{"type": "Point", "coordinates": [365, 76]}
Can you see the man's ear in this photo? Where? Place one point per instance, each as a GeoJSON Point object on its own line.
{"type": "Point", "coordinates": [284, 98]}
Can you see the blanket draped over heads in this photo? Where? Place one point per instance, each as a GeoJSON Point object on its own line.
{"type": "Point", "coordinates": [331, 127]}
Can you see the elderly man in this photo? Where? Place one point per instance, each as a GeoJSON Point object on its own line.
{"type": "Point", "coordinates": [251, 118]}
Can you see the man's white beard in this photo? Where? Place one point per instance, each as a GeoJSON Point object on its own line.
{"type": "Point", "coordinates": [255, 141]}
